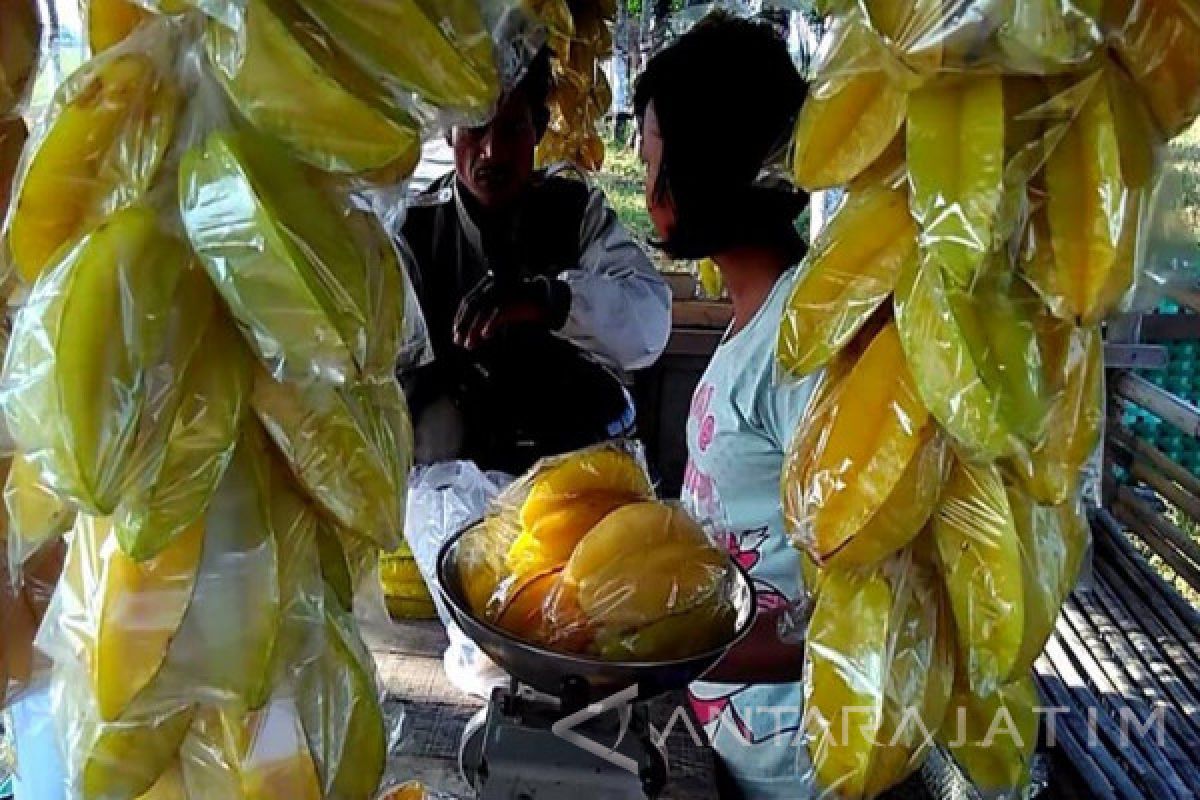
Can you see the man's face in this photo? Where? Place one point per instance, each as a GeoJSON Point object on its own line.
{"type": "Point", "coordinates": [495, 161]}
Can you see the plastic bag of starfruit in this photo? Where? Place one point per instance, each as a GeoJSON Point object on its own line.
{"type": "Point", "coordinates": [879, 669]}
{"type": "Point", "coordinates": [579, 556]}
{"type": "Point", "coordinates": [116, 348]}
{"type": "Point", "coordinates": [451, 69]}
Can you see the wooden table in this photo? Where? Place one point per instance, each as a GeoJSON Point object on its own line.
{"type": "Point", "coordinates": [427, 714]}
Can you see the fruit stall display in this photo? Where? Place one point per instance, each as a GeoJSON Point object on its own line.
{"type": "Point", "coordinates": [580, 38]}
{"type": "Point", "coordinates": [580, 557]}
{"type": "Point", "coordinates": [1002, 162]}
{"type": "Point", "coordinates": [199, 380]}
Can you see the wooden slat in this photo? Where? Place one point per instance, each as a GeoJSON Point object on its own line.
{"type": "Point", "coordinates": [1183, 617]}
{"type": "Point", "coordinates": [1161, 403]}
{"type": "Point", "coordinates": [1071, 733]}
{"type": "Point", "coordinates": [1185, 502]}
{"type": "Point", "coordinates": [1165, 678]}
{"type": "Point", "coordinates": [1107, 730]}
{"type": "Point", "coordinates": [1120, 696]}
{"type": "Point", "coordinates": [1160, 535]}
{"type": "Point", "coordinates": [1168, 530]}
{"type": "Point", "coordinates": [1136, 648]}
{"type": "Point", "coordinates": [1066, 689]}
{"type": "Point", "coordinates": [1141, 450]}
{"type": "Point", "coordinates": [1136, 652]}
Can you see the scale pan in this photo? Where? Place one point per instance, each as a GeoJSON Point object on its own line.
{"type": "Point", "coordinates": [583, 678]}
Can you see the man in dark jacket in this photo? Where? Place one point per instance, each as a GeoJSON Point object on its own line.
{"type": "Point", "coordinates": [535, 297]}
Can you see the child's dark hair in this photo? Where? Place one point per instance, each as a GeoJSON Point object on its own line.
{"type": "Point", "coordinates": [726, 96]}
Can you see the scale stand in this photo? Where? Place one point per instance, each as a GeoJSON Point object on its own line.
{"type": "Point", "coordinates": [510, 750]}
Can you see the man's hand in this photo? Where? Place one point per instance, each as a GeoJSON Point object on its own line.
{"type": "Point", "coordinates": [493, 306]}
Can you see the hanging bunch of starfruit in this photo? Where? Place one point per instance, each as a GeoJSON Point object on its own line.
{"type": "Point", "coordinates": [1000, 161]}
{"type": "Point", "coordinates": [199, 383]}
{"type": "Point", "coordinates": [580, 39]}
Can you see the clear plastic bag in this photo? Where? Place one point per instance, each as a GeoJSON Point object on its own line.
{"type": "Point", "coordinates": [578, 556]}
{"type": "Point", "coordinates": [99, 147]}
{"type": "Point", "coordinates": [350, 447]}
{"type": "Point", "coordinates": [284, 258]}
{"type": "Point", "coordinates": [849, 274]}
{"type": "Point", "coordinates": [443, 499]}
{"type": "Point", "coordinates": [994, 735]}
{"type": "Point", "coordinates": [853, 497]}
{"type": "Point", "coordinates": [879, 672]}
{"type": "Point", "coordinates": [342, 122]}
{"type": "Point", "coordinates": [1031, 162]}
{"type": "Point", "coordinates": [83, 348]}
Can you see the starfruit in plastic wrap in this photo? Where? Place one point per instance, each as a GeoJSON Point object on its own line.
{"type": "Point", "coordinates": [850, 272]}
{"type": "Point", "coordinates": [852, 114]}
{"type": "Point", "coordinates": [1158, 42]}
{"type": "Point", "coordinates": [189, 444]}
{"type": "Point", "coordinates": [640, 566]}
{"type": "Point", "coordinates": [169, 786]}
{"type": "Point", "coordinates": [136, 609]}
{"type": "Point", "coordinates": [562, 482]}
{"type": "Point", "coordinates": [998, 322]}
{"type": "Point", "coordinates": [1054, 540]}
{"type": "Point", "coordinates": [347, 560]}
{"type": "Point", "coordinates": [111, 124]}
{"type": "Point", "coordinates": [906, 510]}
{"type": "Point", "coordinates": [870, 429]}
{"type": "Point", "coordinates": [294, 524]}
{"type": "Point", "coordinates": [520, 605]}
{"type": "Point", "coordinates": [1097, 184]}
{"type": "Point", "coordinates": [845, 674]}
{"type": "Point", "coordinates": [980, 550]}
{"type": "Point", "coordinates": [955, 150]}
{"type": "Point", "coordinates": [82, 350]}
{"type": "Point", "coordinates": [912, 30]}
{"type": "Point", "coordinates": [20, 36]}
{"type": "Point", "coordinates": [424, 60]}
{"type": "Point", "coordinates": [920, 678]}
{"type": "Point", "coordinates": [942, 362]}
{"type": "Point", "coordinates": [554, 535]}
{"type": "Point", "coordinates": [350, 448]}
{"type": "Point", "coordinates": [36, 514]}
{"type": "Point", "coordinates": [339, 708]}
{"type": "Point", "coordinates": [110, 21]}
{"type": "Point", "coordinates": [464, 26]}
{"type": "Point", "coordinates": [233, 754]}
{"type": "Point", "coordinates": [121, 759]}
{"type": "Point", "coordinates": [993, 735]}
{"type": "Point", "coordinates": [12, 139]}
{"type": "Point", "coordinates": [1052, 470]}
{"type": "Point", "coordinates": [239, 579]}
{"type": "Point", "coordinates": [1045, 36]}
{"type": "Point", "coordinates": [288, 82]}
{"type": "Point", "coordinates": [282, 255]}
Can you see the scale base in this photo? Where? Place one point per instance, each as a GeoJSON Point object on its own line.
{"type": "Point", "coordinates": [510, 751]}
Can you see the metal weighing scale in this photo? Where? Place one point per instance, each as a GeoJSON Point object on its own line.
{"type": "Point", "coordinates": [570, 727]}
